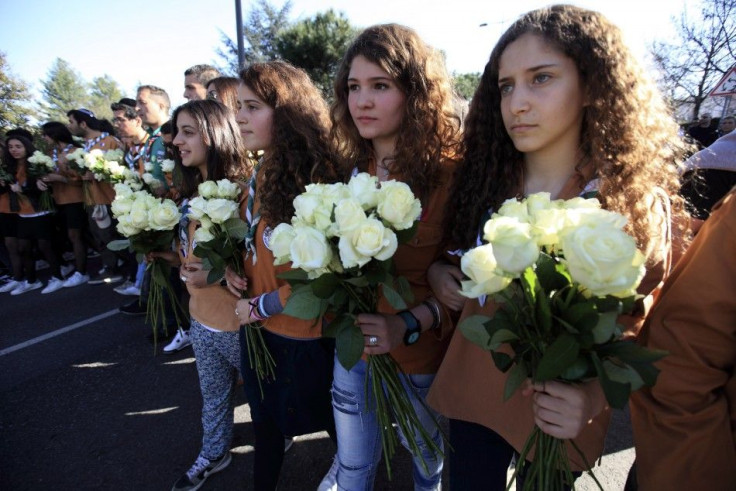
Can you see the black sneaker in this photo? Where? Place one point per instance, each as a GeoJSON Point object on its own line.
{"type": "Point", "coordinates": [136, 307]}
{"type": "Point", "coordinates": [200, 471]}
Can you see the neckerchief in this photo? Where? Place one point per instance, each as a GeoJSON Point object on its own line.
{"type": "Point", "coordinates": [251, 219]}
{"type": "Point", "coordinates": [91, 143]}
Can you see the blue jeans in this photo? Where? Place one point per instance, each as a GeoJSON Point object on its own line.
{"type": "Point", "coordinates": [359, 437]}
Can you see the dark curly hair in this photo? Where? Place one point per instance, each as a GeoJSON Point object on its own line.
{"type": "Point", "coordinates": [430, 130]}
{"type": "Point", "coordinates": [300, 153]}
{"type": "Point", "coordinates": [221, 135]}
{"type": "Point", "coordinates": [628, 135]}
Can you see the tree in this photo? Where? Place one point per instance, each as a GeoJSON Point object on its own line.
{"type": "Point", "coordinates": [14, 92]}
{"type": "Point", "coordinates": [62, 91]}
{"type": "Point", "coordinates": [260, 31]}
{"type": "Point", "coordinates": [317, 45]}
{"type": "Point", "coordinates": [103, 92]}
{"type": "Point", "coordinates": [466, 84]}
{"type": "Point", "coordinates": [703, 52]}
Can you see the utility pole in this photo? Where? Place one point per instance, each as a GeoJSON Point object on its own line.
{"type": "Point", "coordinates": [239, 30]}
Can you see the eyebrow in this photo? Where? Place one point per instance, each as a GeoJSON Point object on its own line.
{"type": "Point", "coordinates": [371, 79]}
{"type": "Point", "coordinates": [533, 69]}
{"type": "Point", "coordinates": [188, 126]}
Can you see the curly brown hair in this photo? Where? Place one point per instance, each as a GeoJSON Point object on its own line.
{"type": "Point", "coordinates": [221, 135]}
{"type": "Point", "coordinates": [300, 153]}
{"type": "Point", "coordinates": [628, 135]}
{"type": "Point", "coordinates": [429, 132]}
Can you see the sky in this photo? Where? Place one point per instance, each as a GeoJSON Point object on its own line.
{"type": "Point", "coordinates": [154, 41]}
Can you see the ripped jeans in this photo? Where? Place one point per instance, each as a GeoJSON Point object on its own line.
{"type": "Point", "coordinates": [359, 437]}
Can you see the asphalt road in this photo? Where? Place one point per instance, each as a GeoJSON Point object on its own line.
{"type": "Point", "coordinates": [86, 403]}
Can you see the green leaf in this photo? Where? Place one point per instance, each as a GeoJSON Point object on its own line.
{"type": "Point", "coordinates": [583, 316]}
{"type": "Point", "coordinates": [359, 281]}
{"type": "Point", "coordinates": [623, 374]}
{"type": "Point", "coordinates": [474, 329]}
{"type": "Point", "coordinates": [119, 245]}
{"type": "Point", "coordinates": [608, 304]}
{"type": "Point", "coordinates": [630, 352]}
{"type": "Point", "coordinates": [206, 263]}
{"type": "Point", "coordinates": [342, 321]}
{"type": "Point", "coordinates": [617, 394]}
{"type": "Point", "coordinates": [579, 370]}
{"type": "Point", "coordinates": [529, 284]}
{"type": "Point", "coordinates": [605, 328]}
{"type": "Point", "coordinates": [338, 301]}
{"type": "Point", "coordinates": [236, 228]}
{"type": "Point", "coordinates": [349, 344]}
{"type": "Point", "coordinates": [325, 285]}
{"type": "Point", "coordinates": [501, 336]}
{"type": "Point", "coordinates": [303, 304]}
{"type": "Point", "coordinates": [516, 377]}
{"type": "Point", "coordinates": [502, 360]}
{"type": "Point", "coordinates": [549, 278]}
{"type": "Point", "coordinates": [404, 236]}
{"type": "Point", "coordinates": [293, 274]}
{"type": "Point", "coordinates": [404, 289]}
{"type": "Point", "coordinates": [557, 358]}
{"type": "Point", "coordinates": [214, 276]}
{"type": "Point", "coordinates": [543, 312]}
{"type": "Point", "coordinates": [393, 297]}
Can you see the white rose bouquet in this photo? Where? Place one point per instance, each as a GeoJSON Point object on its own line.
{"type": "Point", "coordinates": [105, 166]}
{"type": "Point", "coordinates": [149, 224]}
{"type": "Point", "coordinates": [41, 165]}
{"type": "Point", "coordinates": [341, 242]}
{"type": "Point", "coordinates": [562, 271]}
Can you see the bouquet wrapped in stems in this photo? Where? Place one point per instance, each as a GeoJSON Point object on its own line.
{"type": "Point", "coordinates": [562, 272]}
{"type": "Point", "coordinates": [341, 242]}
{"type": "Point", "coordinates": [41, 165]}
{"type": "Point", "coordinates": [220, 244]}
{"type": "Point", "coordinates": [149, 224]}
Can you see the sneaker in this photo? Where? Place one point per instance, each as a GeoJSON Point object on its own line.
{"type": "Point", "coordinates": [180, 341]}
{"type": "Point", "coordinates": [329, 482]}
{"type": "Point", "coordinates": [26, 287]}
{"type": "Point", "coordinates": [136, 307]}
{"type": "Point", "coordinates": [288, 443]}
{"type": "Point", "coordinates": [53, 285]}
{"type": "Point", "coordinates": [91, 253]}
{"type": "Point", "coordinates": [68, 256]}
{"type": "Point", "coordinates": [106, 276]}
{"type": "Point", "coordinates": [41, 264]}
{"type": "Point", "coordinates": [128, 288]}
{"type": "Point", "coordinates": [76, 279]}
{"type": "Point", "coordinates": [66, 269]}
{"type": "Point", "coordinates": [10, 286]}
{"type": "Point", "coordinates": [200, 471]}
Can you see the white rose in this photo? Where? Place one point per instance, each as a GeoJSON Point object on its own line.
{"type": "Point", "coordinates": [603, 259]}
{"type": "Point", "coordinates": [121, 205]}
{"type": "Point", "coordinates": [576, 203]}
{"type": "Point", "coordinates": [116, 155]}
{"type": "Point", "coordinates": [398, 206]}
{"type": "Point", "coordinates": [165, 216]}
{"type": "Point", "coordinates": [203, 235]}
{"type": "Point", "coordinates": [364, 187]}
{"type": "Point", "coordinates": [515, 209]}
{"type": "Point", "coordinates": [122, 191]}
{"type": "Point", "coordinates": [126, 228]}
{"type": "Point", "coordinates": [310, 249]}
{"type": "Point", "coordinates": [148, 166]}
{"type": "Point", "coordinates": [281, 239]}
{"type": "Point", "coordinates": [479, 264]}
{"type": "Point", "coordinates": [349, 256]}
{"type": "Point", "coordinates": [139, 214]}
{"type": "Point", "coordinates": [207, 189]}
{"type": "Point", "coordinates": [304, 206]}
{"type": "Point", "coordinates": [197, 208]}
{"type": "Point", "coordinates": [151, 181]}
{"type": "Point", "coordinates": [370, 239]}
{"type": "Point", "coordinates": [537, 201]}
{"type": "Point", "coordinates": [513, 245]}
{"type": "Point", "coordinates": [547, 225]}
{"type": "Point", "coordinates": [227, 189]}
{"type": "Point", "coordinates": [348, 215]}
{"type": "Point", "coordinates": [167, 165]}
{"type": "Point", "coordinates": [220, 210]}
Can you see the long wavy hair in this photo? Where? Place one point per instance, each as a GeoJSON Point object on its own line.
{"type": "Point", "coordinates": [227, 91]}
{"type": "Point", "coordinates": [300, 153]}
{"type": "Point", "coordinates": [430, 129]}
{"type": "Point", "coordinates": [11, 163]}
{"type": "Point", "coordinates": [628, 135]}
{"type": "Point", "coordinates": [220, 134]}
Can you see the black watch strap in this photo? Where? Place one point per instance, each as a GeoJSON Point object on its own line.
{"type": "Point", "coordinates": [413, 328]}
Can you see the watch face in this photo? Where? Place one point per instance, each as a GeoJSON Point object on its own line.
{"type": "Point", "coordinates": [413, 338]}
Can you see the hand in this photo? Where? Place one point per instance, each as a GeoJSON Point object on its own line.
{"type": "Point", "coordinates": [444, 279]}
{"type": "Point", "coordinates": [42, 186]}
{"type": "Point", "coordinates": [388, 328]}
{"type": "Point", "coordinates": [243, 310]}
{"type": "Point", "coordinates": [168, 256]}
{"type": "Point", "coordinates": [235, 284]}
{"type": "Point", "coordinates": [53, 177]}
{"type": "Point", "coordinates": [193, 275]}
{"type": "Point", "coordinates": [88, 176]}
{"type": "Point", "coordinates": [564, 410]}
{"type": "Point", "coordinates": [15, 187]}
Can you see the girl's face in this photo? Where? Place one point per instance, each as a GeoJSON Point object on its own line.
{"type": "Point", "coordinates": [188, 140]}
{"type": "Point", "coordinates": [542, 98]}
{"type": "Point", "coordinates": [375, 101]}
{"type": "Point", "coordinates": [16, 149]}
{"type": "Point", "coordinates": [255, 120]}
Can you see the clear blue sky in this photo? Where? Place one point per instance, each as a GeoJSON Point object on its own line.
{"type": "Point", "coordinates": [154, 41]}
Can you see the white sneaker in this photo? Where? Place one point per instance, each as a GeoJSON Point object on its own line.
{"type": "Point", "coordinates": [26, 287]}
{"type": "Point", "coordinates": [53, 285]}
{"type": "Point", "coordinates": [128, 288]}
{"type": "Point", "coordinates": [76, 279]}
{"type": "Point", "coordinates": [180, 341]}
{"type": "Point", "coordinates": [10, 286]}
{"type": "Point", "coordinates": [41, 264]}
{"type": "Point", "coordinates": [66, 269]}
{"type": "Point", "coordinates": [329, 482]}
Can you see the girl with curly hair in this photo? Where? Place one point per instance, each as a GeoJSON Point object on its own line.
{"type": "Point", "coordinates": [284, 119]}
{"type": "Point", "coordinates": [562, 107]}
{"type": "Point", "coordinates": [393, 117]}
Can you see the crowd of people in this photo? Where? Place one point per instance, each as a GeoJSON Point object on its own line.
{"type": "Point", "coordinates": [562, 107]}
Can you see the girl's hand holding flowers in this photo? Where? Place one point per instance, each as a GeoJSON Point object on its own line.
{"type": "Point", "coordinates": [235, 284]}
{"type": "Point", "coordinates": [445, 280]}
{"type": "Point", "coordinates": [193, 275]}
{"type": "Point", "coordinates": [389, 329]}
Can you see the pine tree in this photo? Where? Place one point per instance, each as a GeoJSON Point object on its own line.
{"type": "Point", "coordinates": [63, 90]}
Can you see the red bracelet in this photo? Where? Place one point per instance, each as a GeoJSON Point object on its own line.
{"type": "Point", "coordinates": [254, 311]}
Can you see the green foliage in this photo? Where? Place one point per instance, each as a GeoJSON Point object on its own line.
{"type": "Point", "coordinates": [63, 90]}
{"type": "Point", "coordinates": [14, 93]}
{"type": "Point", "coordinates": [103, 92]}
{"type": "Point", "coordinates": [466, 84]}
{"type": "Point", "coordinates": [317, 45]}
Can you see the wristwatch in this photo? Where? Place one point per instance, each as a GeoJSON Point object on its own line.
{"type": "Point", "coordinates": [413, 329]}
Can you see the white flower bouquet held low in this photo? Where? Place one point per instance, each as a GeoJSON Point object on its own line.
{"type": "Point", "coordinates": [149, 224]}
{"type": "Point", "coordinates": [41, 165]}
{"type": "Point", "coordinates": [341, 242]}
{"type": "Point", "coordinates": [562, 272]}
